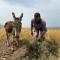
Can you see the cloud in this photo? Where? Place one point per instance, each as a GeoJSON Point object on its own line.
{"type": "Point", "coordinates": [32, 3]}
{"type": "Point", "coordinates": [27, 3]}
{"type": "Point", "coordinates": [36, 4]}
{"type": "Point", "coordinates": [49, 9]}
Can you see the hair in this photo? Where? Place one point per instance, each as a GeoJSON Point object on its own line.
{"type": "Point", "coordinates": [37, 14]}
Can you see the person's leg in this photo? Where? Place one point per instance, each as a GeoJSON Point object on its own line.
{"type": "Point", "coordinates": [43, 35]}
{"type": "Point", "coordinates": [36, 34]}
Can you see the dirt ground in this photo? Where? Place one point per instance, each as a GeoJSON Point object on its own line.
{"type": "Point", "coordinates": [6, 52]}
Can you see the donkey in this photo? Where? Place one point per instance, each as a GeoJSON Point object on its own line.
{"type": "Point", "coordinates": [13, 27]}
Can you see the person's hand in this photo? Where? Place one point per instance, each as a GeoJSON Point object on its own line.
{"type": "Point", "coordinates": [32, 33]}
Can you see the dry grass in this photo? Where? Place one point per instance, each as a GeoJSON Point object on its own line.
{"type": "Point", "coordinates": [44, 47]}
{"type": "Point", "coordinates": [52, 34]}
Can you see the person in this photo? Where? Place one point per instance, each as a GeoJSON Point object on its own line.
{"type": "Point", "coordinates": [39, 25]}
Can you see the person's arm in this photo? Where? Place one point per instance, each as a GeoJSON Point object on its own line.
{"type": "Point", "coordinates": [43, 33]}
{"type": "Point", "coordinates": [44, 26]}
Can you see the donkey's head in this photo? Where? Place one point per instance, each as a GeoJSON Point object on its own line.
{"type": "Point", "coordinates": [17, 18]}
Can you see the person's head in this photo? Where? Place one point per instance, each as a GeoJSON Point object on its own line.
{"type": "Point", "coordinates": [37, 16]}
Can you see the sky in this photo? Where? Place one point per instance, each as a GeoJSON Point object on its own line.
{"type": "Point", "coordinates": [49, 10]}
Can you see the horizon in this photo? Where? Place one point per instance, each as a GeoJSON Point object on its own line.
{"type": "Point", "coordinates": [1, 26]}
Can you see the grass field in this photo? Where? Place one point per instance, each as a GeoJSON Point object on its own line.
{"type": "Point", "coordinates": [52, 34]}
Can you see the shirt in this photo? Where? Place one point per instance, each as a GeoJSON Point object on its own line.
{"type": "Point", "coordinates": [41, 25]}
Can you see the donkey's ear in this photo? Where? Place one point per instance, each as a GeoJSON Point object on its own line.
{"type": "Point", "coordinates": [21, 15]}
{"type": "Point", "coordinates": [13, 13]}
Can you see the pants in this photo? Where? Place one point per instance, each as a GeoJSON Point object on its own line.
{"type": "Point", "coordinates": [36, 34]}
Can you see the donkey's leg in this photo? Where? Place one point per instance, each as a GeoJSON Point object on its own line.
{"type": "Point", "coordinates": [17, 40]}
{"type": "Point", "coordinates": [7, 34]}
{"type": "Point", "coordinates": [17, 37]}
